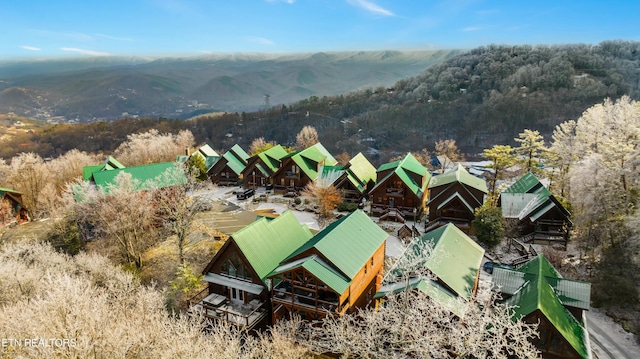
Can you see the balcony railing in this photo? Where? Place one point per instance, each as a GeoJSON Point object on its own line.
{"type": "Point", "coordinates": [216, 306]}
{"type": "Point", "coordinates": [282, 296]}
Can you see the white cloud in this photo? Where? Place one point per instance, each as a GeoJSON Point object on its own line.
{"type": "Point", "coordinates": [85, 52]}
{"type": "Point", "coordinates": [114, 37]}
{"type": "Point", "coordinates": [260, 40]}
{"type": "Point", "coordinates": [470, 28]}
{"type": "Point", "coordinates": [371, 7]}
{"type": "Point", "coordinates": [30, 48]}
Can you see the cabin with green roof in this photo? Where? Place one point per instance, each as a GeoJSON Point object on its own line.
{"type": "Point", "coordinates": [300, 168]}
{"type": "Point", "coordinates": [151, 176]}
{"type": "Point", "coordinates": [261, 167]}
{"type": "Point", "coordinates": [443, 263]}
{"type": "Point", "coordinates": [109, 164]}
{"type": "Point", "coordinates": [14, 203]}
{"type": "Point", "coordinates": [238, 285]}
{"type": "Point", "coordinates": [539, 216]}
{"type": "Point", "coordinates": [454, 197]}
{"type": "Point", "coordinates": [538, 294]}
{"type": "Point", "coordinates": [227, 171]}
{"type": "Point", "coordinates": [336, 272]}
{"type": "Point", "coordinates": [355, 179]}
{"type": "Point", "coordinates": [206, 152]}
{"type": "Point", "coordinates": [401, 189]}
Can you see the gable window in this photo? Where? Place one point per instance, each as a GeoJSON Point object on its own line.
{"type": "Point", "coordinates": [233, 267]}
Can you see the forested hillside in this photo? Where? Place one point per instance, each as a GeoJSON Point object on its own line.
{"type": "Point", "coordinates": [479, 98]}
{"type": "Point", "coordinates": [86, 90]}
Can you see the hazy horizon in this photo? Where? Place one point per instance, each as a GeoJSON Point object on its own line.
{"type": "Point", "coordinates": [186, 28]}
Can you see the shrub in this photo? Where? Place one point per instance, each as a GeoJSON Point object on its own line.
{"type": "Point", "coordinates": [347, 207]}
{"type": "Point", "coordinates": [489, 225]}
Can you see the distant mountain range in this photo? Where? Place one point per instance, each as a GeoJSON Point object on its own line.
{"type": "Point", "coordinates": [107, 88]}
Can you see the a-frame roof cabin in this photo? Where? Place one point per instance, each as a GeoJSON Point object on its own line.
{"type": "Point", "coordinates": [453, 198]}
{"type": "Point", "coordinates": [300, 168]}
{"type": "Point", "coordinates": [541, 218]}
{"type": "Point", "coordinates": [260, 167]}
{"type": "Point", "coordinates": [14, 200]}
{"type": "Point", "coordinates": [335, 272]}
{"type": "Point", "coordinates": [538, 294]}
{"type": "Point", "coordinates": [400, 189]}
{"type": "Point", "coordinates": [238, 290]}
{"type": "Point", "coordinates": [354, 179]}
{"type": "Point", "coordinates": [451, 261]}
{"type": "Point", "coordinates": [229, 168]}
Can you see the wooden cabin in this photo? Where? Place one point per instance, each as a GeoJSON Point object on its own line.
{"type": "Point", "coordinates": [454, 197]}
{"type": "Point", "coordinates": [208, 155]}
{"type": "Point", "coordinates": [337, 271]}
{"type": "Point", "coordinates": [539, 295]}
{"type": "Point", "coordinates": [11, 201]}
{"type": "Point", "coordinates": [238, 288]}
{"type": "Point", "coordinates": [300, 168]}
{"type": "Point", "coordinates": [228, 170]}
{"type": "Point", "coordinates": [261, 167]}
{"type": "Point", "coordinates": [354, 180]}
{"type": "Point", "coordinates": [539, 216]}
{"type": "Point", "coordinates": [400, 190]}
{"type": "Point", "coordinates": [451, 268]}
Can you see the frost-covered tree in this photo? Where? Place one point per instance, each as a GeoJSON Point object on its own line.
{"type": "Point", "coordinates": [307, 137]}
{"type": "Point", "coordinates": [120, 218]}
{"type": "Point", "coordinates": [531, 148]}
{"type": "Point", "coordinates": [605, 179]}
{"type": "Point", "coordinates": [152, 147]}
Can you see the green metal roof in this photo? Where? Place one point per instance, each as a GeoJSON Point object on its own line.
{"type": "Point", "coordinates": [320, 269]}
{"type": "Point", "coordinates": [240, 152]}
{"type": "Point", "coordinates": [402, 168]}
{"type": "Point", "coordinates": [206, 151]}
{"type": "Point", "coordinates": [431, 288]}
{"type": "Point", "coordinates": [455, 258]}
{"type": "Point", "coordinates": [5, 190]}
{"type": "Point", "coordinates": [459, 174]}
{"type": "Point", "coordinates": [311, 157]}
{"type": "Point", "coordinates": [109, 164]}
{"type": "Point", "coordinates": [527, 197]}
{"type": "Point", "coordinates": [538, 286]}
{"type": "Point", "coordinates": [272, 157]}
{"type": "Point", "coordinates": [236, 159]}
{"type": "Point", "coordinates": [330, 174]}
{"type": "Point", "coordinates": [266, 242]}
{"type": "Point", "coordinates": [528, 183]}
{"type": "Point", "coordinates": [360, 171]}
{"type": "Point", "coordinates": [460, 198]}
{"type": "Point", "coordinates": [347, 243]}
{"type": "Point", "coordinates": [156, 175]}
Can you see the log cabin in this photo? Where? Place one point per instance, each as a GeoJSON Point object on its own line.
{"type": "Point", "coordinates": [261, 167]}
{"type": "Point", "coordinates": [336, 272]}
{"type": "Point", "coordinates": [228, 170]}
{"type": "Point", "coordinates": [238, 290]}
{"type": "Point", "coordinates": [400, 189]}
{"type": "Point", "coordinates": [206, 152]}
{"type": "Point", "coordinates": [454, 197]}
{"type": "Point", "coordinates": [354, 180]}
{"type": "Point", "coordinates": [12, 199]}
{"type": "Point", "coordinates": [301, 168]}
{"type": "Point", "coordinates": [539, 295]}
{"type": "Point", "coordinates": [448, 265]}
{"type": "Point", "coordinates": [538, 215]}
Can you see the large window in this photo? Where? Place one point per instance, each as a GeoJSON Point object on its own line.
{"type": "Point", "coordinates": [233, 267]}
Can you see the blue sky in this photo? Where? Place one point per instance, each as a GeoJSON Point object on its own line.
{"type": "Point", "coordinates": [66, 28]}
